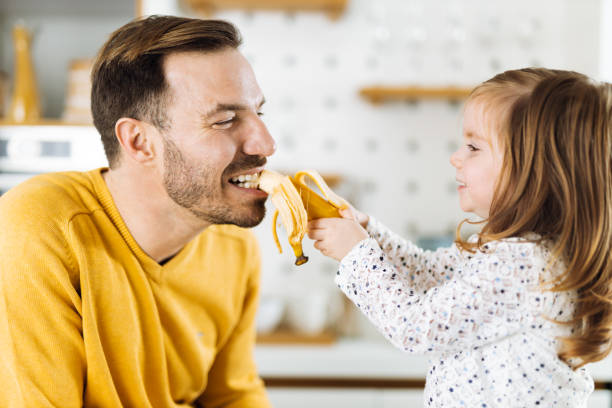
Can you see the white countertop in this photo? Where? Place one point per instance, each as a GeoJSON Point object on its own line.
{"type": "Point", "coordinates": [353, 358]}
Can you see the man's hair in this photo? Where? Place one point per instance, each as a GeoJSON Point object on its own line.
{"type": "Point", "coordinates": [128, 76]}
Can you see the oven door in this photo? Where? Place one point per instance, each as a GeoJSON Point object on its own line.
{"type": "Point", "coordinates": [28, 150]}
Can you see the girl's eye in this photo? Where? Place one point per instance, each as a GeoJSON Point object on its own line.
{"type": "Point", "coordinates": [471, 147]}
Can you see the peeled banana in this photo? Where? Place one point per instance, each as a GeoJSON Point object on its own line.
{"type": "Point", "coordinates": [297, 204]}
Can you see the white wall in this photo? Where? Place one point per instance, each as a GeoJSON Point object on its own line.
{"type": "Point", "coordinates": [605, 70]}
{"type": "Point", "coordinates": [394, 157]}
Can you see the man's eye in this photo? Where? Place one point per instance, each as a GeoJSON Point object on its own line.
{"type": "Point", "coordinates": [223, 124]}
{"type": "Point", "coordinates": [260, 114]}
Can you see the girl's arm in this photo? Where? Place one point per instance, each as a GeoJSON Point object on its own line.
{"type": "Point", "coordinates": [490, 297]}
{"type": "Point", "coordinates": [424, 269]}
{"type": "Point", "coordinates": [416, 268]}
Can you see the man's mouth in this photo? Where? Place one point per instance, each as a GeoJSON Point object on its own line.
{"type": "Point", "coordinates": [247, 180]}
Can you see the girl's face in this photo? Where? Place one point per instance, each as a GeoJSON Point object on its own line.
{"type": "Point", "coordinates": [477, 162]}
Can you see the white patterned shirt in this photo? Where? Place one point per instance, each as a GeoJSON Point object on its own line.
{"type": "Point", "coordinates": [481, 317]}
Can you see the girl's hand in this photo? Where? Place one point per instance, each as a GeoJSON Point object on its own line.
{"type": "Point", "coordinates": [335, 237]}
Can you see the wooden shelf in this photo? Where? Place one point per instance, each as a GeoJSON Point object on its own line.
{"type": "Point", "coordinates": [287, 337]}
{"type": "Point", "coordinates": [42, 122]}
{"type": "Point", "coordinates": [334, 8]}
{"type": "Point", "coordinates": [379, 94]}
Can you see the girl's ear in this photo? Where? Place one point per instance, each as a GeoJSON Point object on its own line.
{"type": "Point", "coordinates": [136, 139]}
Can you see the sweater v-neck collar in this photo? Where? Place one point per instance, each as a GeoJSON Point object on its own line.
{"type": "Point", "coordinates": [108, 204]}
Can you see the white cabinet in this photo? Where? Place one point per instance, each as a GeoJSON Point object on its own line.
{"type": "Point", "coordinates": [363, 362]}
{"type": "Point", "coordinates": [402, 399]}
{"type": "Point", "coordinates": [354, 398]}
{"type": "Point", "coordinates": [375, 398]}
{"type": "Point", "coordinates": [322, 398]}
{"type": "Point", "coordinates": [600, 399]}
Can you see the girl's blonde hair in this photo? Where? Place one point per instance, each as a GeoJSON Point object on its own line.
{"type": "Point", "coordinates": [555, 129]}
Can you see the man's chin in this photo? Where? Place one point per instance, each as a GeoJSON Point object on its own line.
{"type": "Point", "coordinates": [245, 215]}
{"type": "Point", "coordinates": [250, 217]}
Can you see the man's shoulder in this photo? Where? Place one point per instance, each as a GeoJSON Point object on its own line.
{"type": "Point", "coordinates": [56, 195]}
{"type": "Point", "coordinates": [59, 183]}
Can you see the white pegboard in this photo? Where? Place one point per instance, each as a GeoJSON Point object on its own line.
{"type": "Point", "coordinates": [395, 157]}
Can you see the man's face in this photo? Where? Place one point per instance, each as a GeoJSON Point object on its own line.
{"type": "Point", "coordinates": [214, 134]}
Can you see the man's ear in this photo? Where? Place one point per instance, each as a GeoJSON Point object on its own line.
{"type": "Point", "coordinates": [136, 139]}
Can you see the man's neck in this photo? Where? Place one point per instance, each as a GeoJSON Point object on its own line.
{"type": "Point", "coordinates": [159, 226]}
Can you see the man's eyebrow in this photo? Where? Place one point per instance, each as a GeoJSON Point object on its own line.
{"type": "Point", "coordinates": [224, 107]}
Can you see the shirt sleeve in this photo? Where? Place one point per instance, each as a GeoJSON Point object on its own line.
{"type": "Point", "coordinates": [418, 268]}
{"type": "Point", "coordinates": [42, 361]}
{"type": "Point", "coordinates": [489, 297]}
{"type": "Point", "coordinates": [233, 379]}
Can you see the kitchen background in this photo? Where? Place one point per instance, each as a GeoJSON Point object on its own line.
{"type": "Point", "coordinates": [388, 157]}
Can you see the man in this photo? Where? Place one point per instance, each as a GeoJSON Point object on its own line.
{"type": "Point", "coordinates": [123, 287]}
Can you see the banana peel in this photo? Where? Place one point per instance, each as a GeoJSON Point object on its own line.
{"type": "Point", "coordinates": [297, 203]}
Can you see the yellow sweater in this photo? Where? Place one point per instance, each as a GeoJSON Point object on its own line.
{"type": "Point", "coordinates": [88, 319]}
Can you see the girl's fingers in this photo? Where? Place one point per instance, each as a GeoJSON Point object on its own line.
{"type": "Point", "coordinates": [318, 245]}
{"type": "Point", "coordinates": [312, 225]}
{"type": "Point", "coordinates": [316, 229]}
{"type": "Point", "coordinates": [319, 223]}
{"type": "Point", "coordinates": [315, 234]}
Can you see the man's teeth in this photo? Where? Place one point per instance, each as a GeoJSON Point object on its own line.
{"type": "Point", "coordinates": [246, 180]}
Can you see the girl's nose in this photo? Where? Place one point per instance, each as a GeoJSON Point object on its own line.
{"type": "Point", "coordinates": [455, 160]}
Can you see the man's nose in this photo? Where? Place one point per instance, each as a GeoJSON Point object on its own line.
{"type": "Point", "coordinates": [258, 141]}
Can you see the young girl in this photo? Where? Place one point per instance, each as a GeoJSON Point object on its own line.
{"type": "Point", "coordinates": [511, 315]}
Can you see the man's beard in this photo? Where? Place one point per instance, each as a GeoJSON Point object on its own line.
{"type": "Point", "coordinates": [195, 189]}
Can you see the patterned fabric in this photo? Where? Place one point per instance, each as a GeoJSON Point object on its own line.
{"type": "Point", "coordinates": [483, 318]}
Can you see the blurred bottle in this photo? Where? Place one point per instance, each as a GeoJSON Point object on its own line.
{"type": "Point", "coordinates": [4, 86]}
{"type": "Point", "coordinates": [25, 103]}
